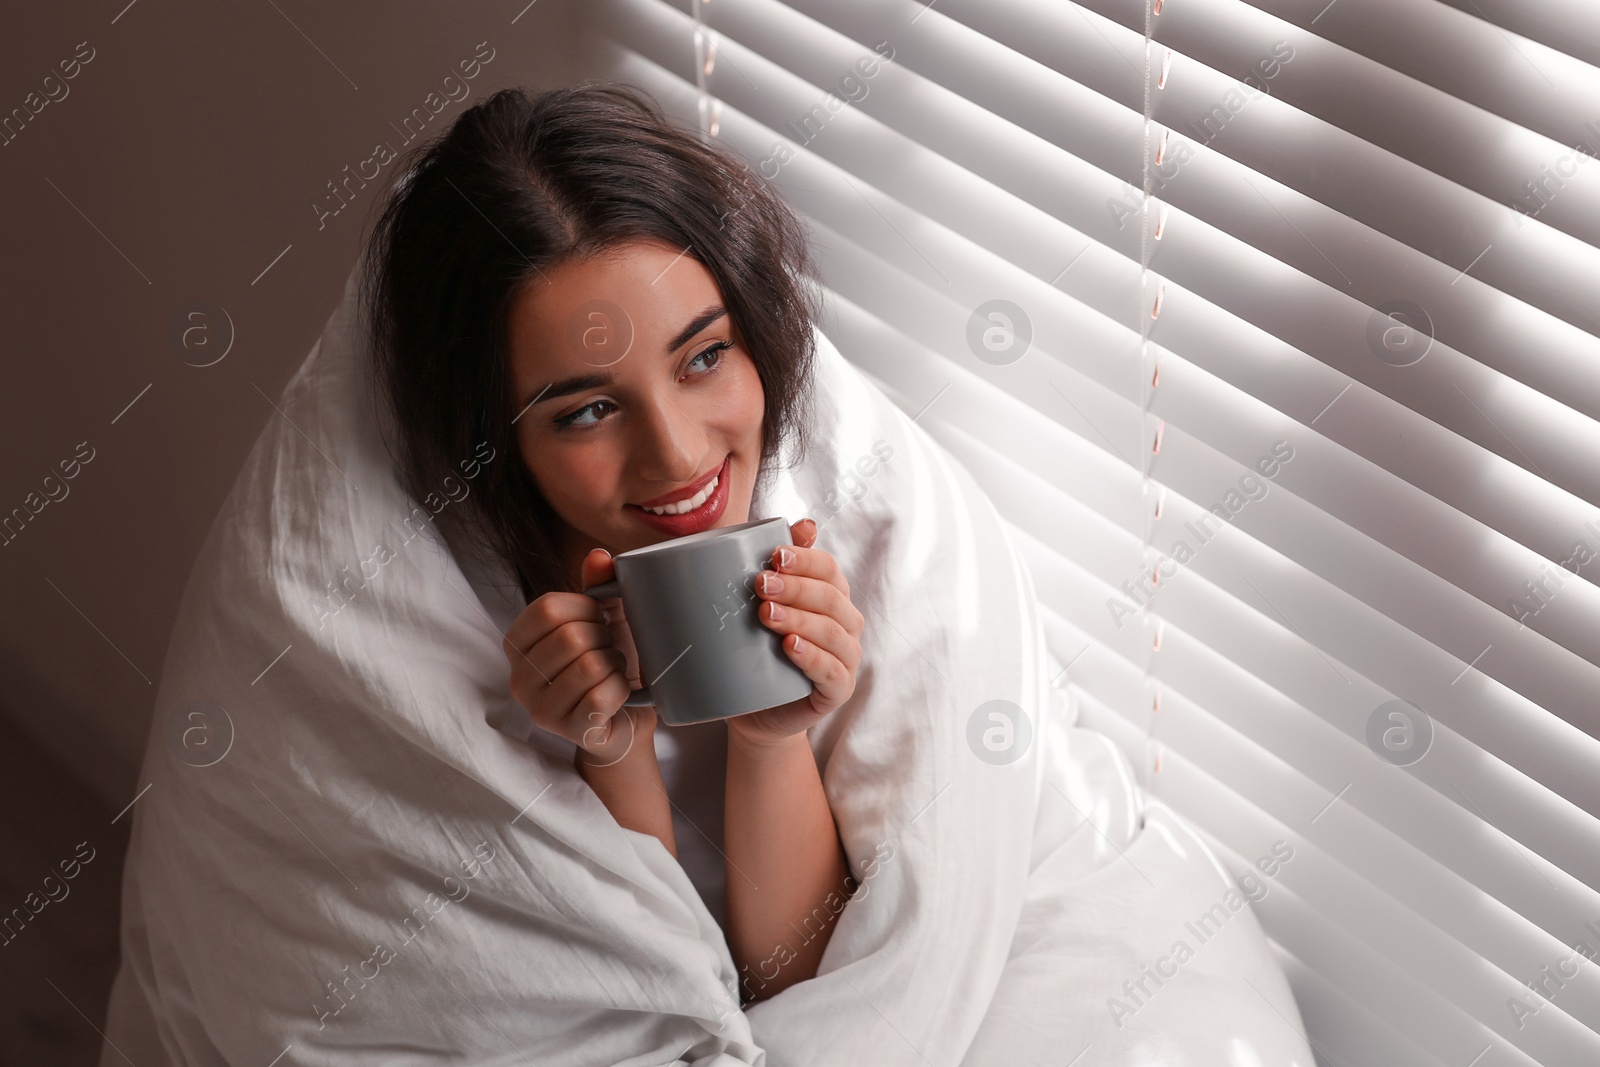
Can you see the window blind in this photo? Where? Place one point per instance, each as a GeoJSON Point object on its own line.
{"type": "Point", "coordinates": [1309, 290]}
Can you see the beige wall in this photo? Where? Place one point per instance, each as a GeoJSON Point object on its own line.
{"type": "Point", "coordinates": [184, 157]}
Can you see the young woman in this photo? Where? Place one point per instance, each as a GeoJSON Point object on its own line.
{"type": "Point", "coordinates": [578, 282]}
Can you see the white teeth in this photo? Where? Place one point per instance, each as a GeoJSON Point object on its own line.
{"type": "Point", "coordinates": [687, 505]}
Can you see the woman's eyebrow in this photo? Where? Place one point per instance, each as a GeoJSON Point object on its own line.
{"type": "Point", "coordinates": [696, 324]}
{"type": "Point", "coordinates": [568, 386]}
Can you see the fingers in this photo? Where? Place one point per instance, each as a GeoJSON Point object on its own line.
{"type": "Point", "coordinates": [820, 631]}
{"type": "Point", "coordinates": [808, 597]}
{"type": "Point", "coordinates": [832, 680]}
{"type": "Point", "coordinates": [593, 718]}
{"type": "Point", "coordinates": [573, 677]}
{"type": "Point", "coordinates": [597, 567]}
{"type": "Point", "coordinates": [575, 659]}
{"type": "Point", "coordinates": [542, 618]}
{"type": "Point", "coordinates": [811, 563]}
{"type": "Point", "coordinates": [569, 667]}
{"type": "Point", "coordinates": [608, 741]}
{"type": "Point", "coordinates": [807, 594]}
{"type": "Point", "coordinates": [804, 532]}
{"type": "Point", "coordinates": [803, 601]}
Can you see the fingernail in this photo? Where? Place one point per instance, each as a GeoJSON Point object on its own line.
{"type": "Point", "coordinates": [605, 616]}
{"type": "Point", "coordinates": [770, 582]}
{"type": "Point", "coordinates": [785, 557]}
{"type": "Point", "coordinates": [775, 613]}
{"type": "Point", "coordinates": [799, 643]}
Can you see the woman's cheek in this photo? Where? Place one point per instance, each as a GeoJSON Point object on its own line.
{"type": "Point", "coordinates": [584, 481]}
{"type": "Point", "coordinates": [752, 398]}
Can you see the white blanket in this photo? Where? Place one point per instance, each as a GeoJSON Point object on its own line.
{"type": "Point", "coordinates": [355, 848]}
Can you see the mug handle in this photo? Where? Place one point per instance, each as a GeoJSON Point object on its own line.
{"type": "Point", "coordinates": [605, 591]}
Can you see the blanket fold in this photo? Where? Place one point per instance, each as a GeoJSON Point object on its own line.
{"type": "Point", "coordinates": [368, 854]}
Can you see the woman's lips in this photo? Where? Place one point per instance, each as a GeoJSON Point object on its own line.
{"type": "Point", "coordinates": [701, 518]}
{"type": "Point", "coordinates": [689, 492]}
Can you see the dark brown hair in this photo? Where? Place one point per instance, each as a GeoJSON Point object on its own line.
{"type": "Point", "coordinates": [519, 184]}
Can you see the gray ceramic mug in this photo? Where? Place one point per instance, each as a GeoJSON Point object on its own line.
{"type": "Point", "coordinates": [692, 607]}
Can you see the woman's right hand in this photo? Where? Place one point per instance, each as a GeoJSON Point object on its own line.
{"type": "Point", "coordinates": [572, 669]}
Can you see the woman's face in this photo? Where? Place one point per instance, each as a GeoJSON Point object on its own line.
{"type": "Point", "coordinates": [634, 389]}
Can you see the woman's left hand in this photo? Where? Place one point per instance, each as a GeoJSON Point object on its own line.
{"type": "Point", "coordinates": [821, 632]}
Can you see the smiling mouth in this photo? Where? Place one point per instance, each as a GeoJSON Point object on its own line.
{"type": "Point", "coordinates": [692, 502]}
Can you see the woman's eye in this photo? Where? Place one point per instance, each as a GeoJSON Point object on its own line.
{"type": "Point", "coordinates": [566, 421]}
{"type": "Point", "coordinates": [578, 419]}
{"type": "Point", "coordinates": [715, 350]}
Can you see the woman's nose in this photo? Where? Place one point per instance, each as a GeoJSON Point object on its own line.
{"type": "Point", "coordinates": [670, 448]}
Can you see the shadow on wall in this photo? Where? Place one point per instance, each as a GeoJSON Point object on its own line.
{"type": "Point", "coordinates": [60, 891]}
{"type": "Point", "coordinates": [211, 246]}
{"type": "Point", "coordinates": [177, 160]}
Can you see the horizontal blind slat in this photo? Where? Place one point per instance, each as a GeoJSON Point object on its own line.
{"type": "Point", "coordinates": [1450, 1007]}
{"type": "Point", "coordinates": [1349, 1032]}
{"type": "Point", "coordinates": [1475, 416]}
{"type": "Point", "coordinates": [1410, 210]}
{"type": "Point", "coordinates": [1527, 89]}
{"type": "Point", "coordinates": [1255, 643]}
{"type": "Point", "coordinates": [945, 196]}
{"type": "Point", "coordinates": [1550, 677]}
{"type": "Point", "coordinates": [1294, 765]}
{"type": "Point", "coordinates": [1110, 143]}
{"type": "Point", "coordinates": [1218, 44]}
